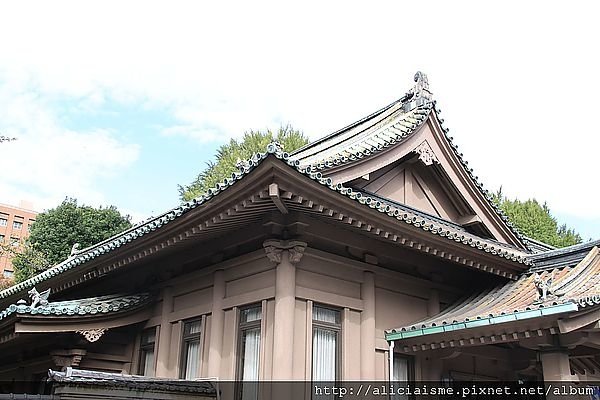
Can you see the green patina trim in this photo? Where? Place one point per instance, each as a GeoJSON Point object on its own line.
{"type": "Point", "coordinates": [81, 307]}
{"type": "Point", "coordinates": [518, 316]}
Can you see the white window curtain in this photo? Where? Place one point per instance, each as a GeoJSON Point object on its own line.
{"type": "Point", "coordinates": [324, 355]}
{"type": "Point", "coordinates": [251, 357]}
{"type": "Point", "coordinates": [192, 359]}
{"type": "Point", "coordinates": [148, 360]}
{"type": "Point", "coordinates": [400, 375]}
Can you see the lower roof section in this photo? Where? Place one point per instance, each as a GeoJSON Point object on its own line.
{"type": "Point", "coordinates": [569, 289]}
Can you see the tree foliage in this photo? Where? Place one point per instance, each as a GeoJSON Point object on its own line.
{"type": "Point", "coordinates": [229, 154]}
{"type": "Point", "coordinates": [535, 221]}
{"type": "Point", "coordinates": [55, 231]}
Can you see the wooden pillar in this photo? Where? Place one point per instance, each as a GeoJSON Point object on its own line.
{"type": "Point", "coordinates": [285, 254]}
{"type": "Point", "coordinates": [367, 327]}
{"type": "Point", "coordinates": [164, 341]}
{"type": "Point", "coordinates": [217, 325]}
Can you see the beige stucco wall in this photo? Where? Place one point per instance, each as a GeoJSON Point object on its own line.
{"type": "Point", "coordinates": [320, 278]}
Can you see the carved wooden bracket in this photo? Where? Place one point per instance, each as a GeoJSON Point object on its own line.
{"type": "Point", "coordinates": [274, 248]}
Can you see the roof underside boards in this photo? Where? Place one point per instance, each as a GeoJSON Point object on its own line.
{"type": "Point", "coordinates": [573, 288]}
{"type": "Point", "coordinates": [387, 129]}
{"type": "Point", "coordinates": [222, 214]}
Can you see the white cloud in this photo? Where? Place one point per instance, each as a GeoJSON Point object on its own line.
{"type": "Point", "coordinates": [517, 81]}
{"type": "Point", "coordinates": [49, 162]}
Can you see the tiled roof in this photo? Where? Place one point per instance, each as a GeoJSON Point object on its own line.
{"type": "Point", "coordinates": [382, 130]}
{"type": "Point", "coordinates": [573, 287]}
{"type": "Point", "coordinates": [81, 307]}
{"type": "Point", "coordinates": [104, 379]}
{"type": "Point", "coordinates": [432, 226]}
{"type": "Point", "coordinates": [368, 136]}
{"type": "Point", "coordinates": [566, 256]}
{"type": "Point", "coordinates": [537, 247]}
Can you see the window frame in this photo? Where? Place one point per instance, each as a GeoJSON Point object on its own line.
{"type": "Point", "coordinates": [335, 327]}
{"type": "Point", "coordinates": [242, 327]}
{"type": "Point", "coordinates": [17, 225]}
{"type": "Point", "coordinates": [144, 347]}
{"type": "Point", "coordinates": [185, 339]}
{"type": "Point", "coordinates": [3, 221]}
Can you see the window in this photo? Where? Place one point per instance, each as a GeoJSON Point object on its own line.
{"type": "Point", "coordinates": [17, 225]}
{"type": "Point", "coordinates": [249, 352]}
{"type": "Point", "coordinates": [147, 352]}
{"type": "Point", "coordinates": [8, 274]}
{"type": "Point", "coordinates": [402, 374]}
{"type": "Point", "coordinates": [14, 241]}
{"type": "Point", "coordinates": [3, 222]}
{"type": "Point", "coordinates": [1, 238]}
{"type": "Point", "coordinates": [190, 349]}
{"type": "Point", "coordinates": [326, 344]}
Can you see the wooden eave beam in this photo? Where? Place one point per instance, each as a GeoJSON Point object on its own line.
{"type": "Point", "coordinates": [274, 194]}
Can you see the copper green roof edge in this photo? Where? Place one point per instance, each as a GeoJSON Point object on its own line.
{"type": "Point", "coordinates": [81, 307]}
{"type": "Point", "coordinates": [272, 149]}
{"type": "Point", "coordinates": [496, 320]}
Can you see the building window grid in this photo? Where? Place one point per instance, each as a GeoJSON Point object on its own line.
{"type": "Point", "coordinates": [249, 342]}
{"type": "Point", "coordinates": [17, 225]}
{"type": "Point", "coordinates": [326, 328]}
{"type": "Point", "coordinates": [147, 352]}
{"type": "Point", "coordinates": [191, 349]}
{"type": "Point", "coordinates": [3, 222]}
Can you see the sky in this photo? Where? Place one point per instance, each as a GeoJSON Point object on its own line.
{"type": "Point", "coordinates": [117, 103]}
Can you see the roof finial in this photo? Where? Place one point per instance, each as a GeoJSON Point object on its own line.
{"type": "Point", "coordinates": [421, 88]}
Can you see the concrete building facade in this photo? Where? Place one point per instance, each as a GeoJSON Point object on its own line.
{"type": "Point", "coordinates": [15, 222]}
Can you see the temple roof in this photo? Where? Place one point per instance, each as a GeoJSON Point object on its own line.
{"type": "Point", "coordinates": [387, 128]}
{"type": "Point", "coordinates": [111, 304]}
{"type": "Point", "coordinates": [397, 212]}
{"type": "Point", "coordinates": [573, 288]}
{"type": "Point", "coordinates": [370, 135]}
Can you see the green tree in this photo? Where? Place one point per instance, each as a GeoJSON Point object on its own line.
{"type": "Point", "coordinates": [229, 153]}
{"type": "Point", "coordinates": [535, 221]}
{"type": "Point", "coordinates": [55, 231]}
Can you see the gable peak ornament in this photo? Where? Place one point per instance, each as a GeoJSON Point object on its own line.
{"type": "Point", "coordinates": [426, 154]}
{"type": "Point", "coordinates": [421, 87]}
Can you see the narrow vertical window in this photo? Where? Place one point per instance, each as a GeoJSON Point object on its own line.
{"type": "Point", "coordinates": [191, 349]}
{"type": "Point", "coordinates": [402, 374]}
{"type": "Point", "coordinates": [249, 351]}
{"type": "Point", "coordinates": [147, 352]}
{"type": "Point", "coordinates": [326, 344]}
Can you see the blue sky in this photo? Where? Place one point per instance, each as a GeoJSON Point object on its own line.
{"type": "Point", "coordinates": [118, 103]}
